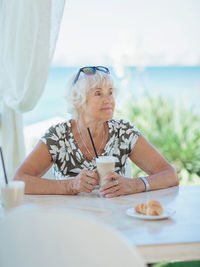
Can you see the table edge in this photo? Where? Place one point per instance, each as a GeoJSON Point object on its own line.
{"type": "Point", "coordinates": [170, 252]}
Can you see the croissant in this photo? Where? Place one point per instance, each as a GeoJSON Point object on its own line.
{"type": "Point", "coordinates": [141, 208]}
{"type": "Point", "coordinates": [152, 208]}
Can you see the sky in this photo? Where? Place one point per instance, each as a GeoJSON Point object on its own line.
{"type": "Point", "coordinates": [129, 32]}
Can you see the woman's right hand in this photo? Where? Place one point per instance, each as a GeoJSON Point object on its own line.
{"type": "Point", "coordinates": [85, 181]}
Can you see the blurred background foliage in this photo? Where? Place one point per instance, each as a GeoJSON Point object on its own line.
{"type": "Point", "coordinates": [178, 264]}
{"type": "Point", "coordinates": [171, 127]}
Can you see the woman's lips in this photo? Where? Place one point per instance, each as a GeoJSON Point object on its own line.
{"type": "Point", "coordinates": [106, 108]}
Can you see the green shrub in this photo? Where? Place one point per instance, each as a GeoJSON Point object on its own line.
{"type": "Point", "coordinates": [178, 264]}
{"type": "Point", "coordinates": [171, 128]}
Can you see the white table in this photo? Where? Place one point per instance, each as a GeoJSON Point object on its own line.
{"type": "Point", "coordinates": [173, 239]}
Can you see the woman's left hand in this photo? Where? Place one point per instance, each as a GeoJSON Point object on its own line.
{"type": "Point", "coordinates": [116, 185]}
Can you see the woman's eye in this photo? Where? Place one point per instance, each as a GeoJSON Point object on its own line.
{"type": "Point", "coordinates": [97, 93]}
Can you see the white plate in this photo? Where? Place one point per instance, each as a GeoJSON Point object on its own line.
{"type": "Point", "coordinates": [167, 213]}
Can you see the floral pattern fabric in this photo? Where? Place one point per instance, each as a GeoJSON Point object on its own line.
{"type": "Point", "coordinates": [69, 160]}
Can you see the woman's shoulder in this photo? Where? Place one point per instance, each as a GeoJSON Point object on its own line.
{"type": "Point", "coordinates": [60, 129]}
{"type": "Point", "coordinates": [122, 124]}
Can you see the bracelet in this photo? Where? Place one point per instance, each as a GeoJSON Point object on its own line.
{"type": "Point", "coordinates": [146, 183]}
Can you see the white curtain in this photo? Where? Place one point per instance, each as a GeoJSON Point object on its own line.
{"type": "Point", "coordinates": [28, 34]}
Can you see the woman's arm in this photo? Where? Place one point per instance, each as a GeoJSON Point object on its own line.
{"type": "Point", "coordinates": [160, 173]}
{"type": "Point", "coordinates": [34, 166]}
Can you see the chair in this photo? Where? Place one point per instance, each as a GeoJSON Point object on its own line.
{"type": "Point", "coordinates": [128, 169]}
{"type": "Point", "coordinates": [49, 174]}
{"type": "Point", "coordinates": [58, 238]}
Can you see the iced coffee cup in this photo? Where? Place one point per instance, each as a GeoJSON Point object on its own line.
{"type": "Point", "coordinates": [105, 164]}
{"type": "Point", "coordinates": [12, 194]}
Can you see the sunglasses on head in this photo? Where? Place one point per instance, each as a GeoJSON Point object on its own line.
{"type": "Point", "coordinates": [91, 71]}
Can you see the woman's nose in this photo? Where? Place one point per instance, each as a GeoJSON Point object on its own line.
{"type": "Point", "coordinates": [106, 98]}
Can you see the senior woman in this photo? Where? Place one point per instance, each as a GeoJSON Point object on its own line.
{"type": "Point", "coordinates": [91, 101]}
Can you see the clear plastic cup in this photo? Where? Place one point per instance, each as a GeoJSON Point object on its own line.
{"type": "Point", "coordinates": [12, 194]}
{"type": "Point", "coordinates": [105, 164]}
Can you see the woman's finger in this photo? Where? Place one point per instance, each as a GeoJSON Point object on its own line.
{"type": "Point", "coordinates": [91, 181]}
{"type": "Point", "coordinates": [110, 190]}
{"type": "Point", "coordinates": [88, 186]}
{"type": "Point", "coordinates": [115, 194]}
{"type": "Point", "coordinates": [85, 189]}
{"type": "Point", "coordinates": [108, 185]}
{"type": "Point", "coordinates": [92, 174]}
{"type": "Point", "coordinates": [111, 182]}
{"type": "Point", "coordinates": [87, 183]}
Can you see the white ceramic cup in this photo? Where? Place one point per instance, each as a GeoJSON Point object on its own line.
{"type": "Point", "coordinates": [12, 195]}
{"type": "Point", "coordinates": [105, 164]}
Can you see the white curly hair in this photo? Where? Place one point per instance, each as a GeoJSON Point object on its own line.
{"type": "Point", "coordinates": [76, 93]}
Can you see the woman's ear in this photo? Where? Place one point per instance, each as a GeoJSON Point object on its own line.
{"type": "Point", "coordinates": [76, 106]}
{"type": "Point", "coordinates": [79, 107]}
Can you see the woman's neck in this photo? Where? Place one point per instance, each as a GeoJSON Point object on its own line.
{"type": "Point", "coordinates": [96, 127]}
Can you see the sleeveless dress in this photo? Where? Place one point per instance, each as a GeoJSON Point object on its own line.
{"type": "Point", "coordinates": [68, 160]}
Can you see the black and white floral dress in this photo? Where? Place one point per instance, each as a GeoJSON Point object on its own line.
{"type": "Point", "coordinates": [69, 160]}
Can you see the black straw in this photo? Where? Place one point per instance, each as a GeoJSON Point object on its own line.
{"type": "Point", "coordinates": [92, 142]}
{"type": "Point", "coordinates": [4, 169]}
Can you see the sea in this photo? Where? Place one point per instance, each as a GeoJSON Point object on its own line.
{"type": "Point", "coordinates": [173, 82]}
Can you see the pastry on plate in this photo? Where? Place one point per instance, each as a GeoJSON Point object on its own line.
{"type": "Point", "coordinates": [151, 208]}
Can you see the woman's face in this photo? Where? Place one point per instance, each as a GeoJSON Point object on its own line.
{"type": "Point", "coordinates": [100, 103]}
